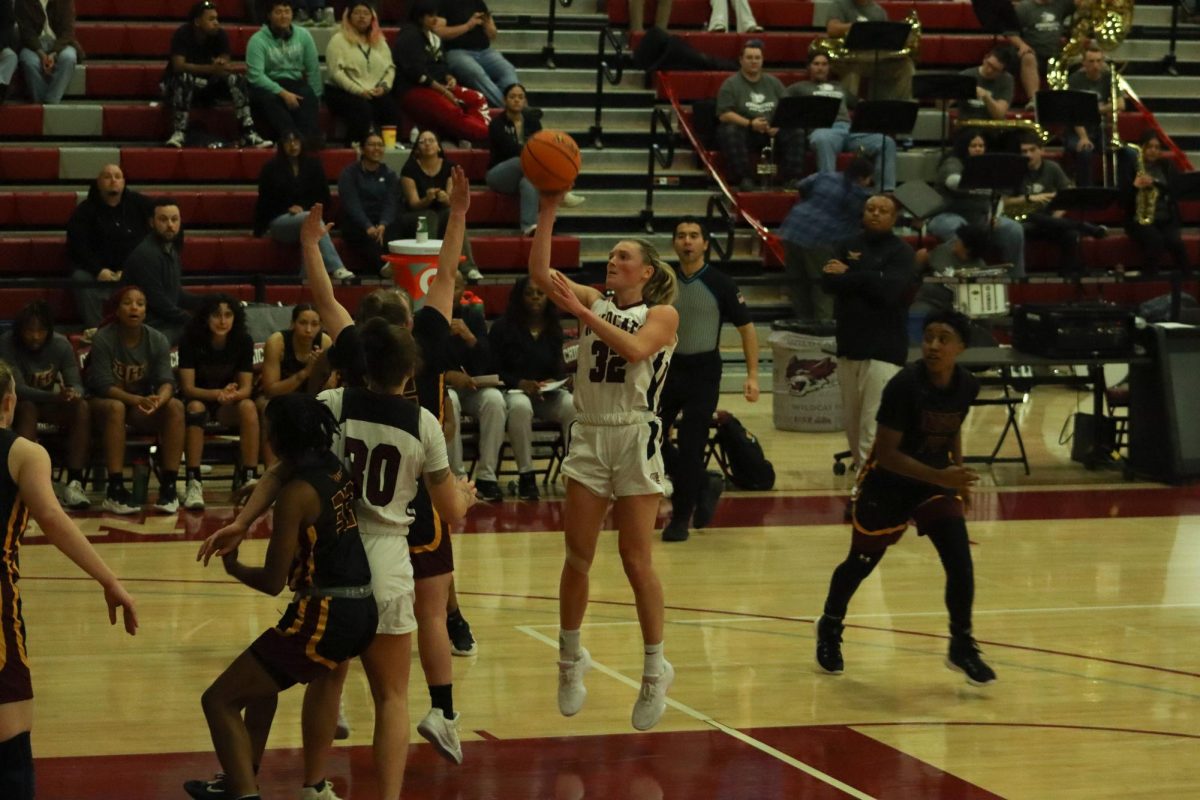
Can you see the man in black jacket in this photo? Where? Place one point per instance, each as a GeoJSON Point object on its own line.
{"type": "Point", "coordinates": [102, 232]}
{"type": "Point", "coordinates": [155, 267]}
{"type": "Point", "coordinates": [872, 278]}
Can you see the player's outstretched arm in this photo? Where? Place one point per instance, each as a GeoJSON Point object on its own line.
{"type": "Point", "coordinates": [334, 316]}
{"type": "Point", "coordinates": [540, 271]}
{"type": "Point", "coordinates": [441, 290]}
{"type": "Point", "coordinates": [298, 505]}
{"type": "Point", "coordinates": [225, 540]}
{"type": "Point", "coordinates": [29, 465]}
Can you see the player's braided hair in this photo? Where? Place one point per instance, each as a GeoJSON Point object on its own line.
{"type": "Point", "coordinates": [300, 427]}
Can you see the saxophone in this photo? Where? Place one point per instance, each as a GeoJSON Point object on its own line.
{"type": "Point", "coordinates": [835, 46]}
{"type": "Point", "coordinates": [1105, 22]}
{"type": "Point", "coordinates": [1147, 198]}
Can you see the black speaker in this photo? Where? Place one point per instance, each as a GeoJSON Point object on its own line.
{"type": "Point", "coordinates": [1164, 437]}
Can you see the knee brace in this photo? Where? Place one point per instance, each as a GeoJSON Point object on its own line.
{"type": "Point", "coordinates": [195, 419]}
{"type": "Point", "coordinates": [577, 562]}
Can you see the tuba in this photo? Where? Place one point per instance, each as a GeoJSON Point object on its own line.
{"type": "Point", "coordinates": [1105, 22]}
{"type": "Point", "coordinates": [835, 46]}
{"type": "Point", "coordinates": [1147, 198]}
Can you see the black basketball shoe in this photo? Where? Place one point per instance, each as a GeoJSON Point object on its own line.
{"type": "Point", "coordinates": [829, 645]}
{"type": "Point", "coordinates": [964, 657]}
{"type": "Point", "coordinates": [706, 505]}
{"type": "Point", "coordinates": [208, 790]}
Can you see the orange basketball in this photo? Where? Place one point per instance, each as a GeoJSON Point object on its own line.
{"type": "Point", "coordinates": [550, 161]}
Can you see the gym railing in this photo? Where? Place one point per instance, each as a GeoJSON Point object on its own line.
{"type": "Point", "coordinates": [611, 46]}
{"type": "Point", "coordinates": [548, 50]}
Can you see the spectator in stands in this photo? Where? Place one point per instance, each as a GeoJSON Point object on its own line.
{"type": "Point", "coordinates": [155, 267]}
{"type": "Point", "coordinates": [975, 205]}
{"type": "Point", "coordinates": [1081, 141]}
{"type": "Point", "coordinates": [314, 12]}
{"type": "Point", "coordinates": [1042, 181]}
{"type": "Point", "coordinates": [872, 279]}
{"type": "Point", "coordinates": [49, 49]}
{"type": "Point", "coordinates": [285, 75]}
{"type": "Point", "coordinates": [471, 353]}
{"type": "Point", "coordinates": [361, 74]}
{"type": "Point", "coordinates": [528, 345]}
{"type": "Point", "coordinates": [828, 142]}
{"type": "Point", "coordinates": [428, 93]}
{"type": "Point", "coordinates": [468, 29]}
{"type": "Point", "coordinates": [507, 134]}
{"type": "Point", "coordinates": [637, 13]}
{"type": "Point", "coordinates": [993, 87]}
{"type": "Point", "coordinates": [893, 75]}
{"type": "Point", "coordinates": [129, 382]}
{"type": "Point", "coordinates": [718, 20]}
{"type": "Point", "coordinates": [49, 389]}
{"type": "Point", "coordinates": [292, 362]}
{"type": "Point", "coordinates": [102, 232]}
{"type": "Point", "coordinates": [705, 298]}
{"type": "Point", "coordinates": [1040, 39]}
{"type": "Point", "coordinates": [965, 251]}
{"type": "Point", "coordinates": [745, 103]}
{"type": "Point", "coordinates": [1158, 181]}
{"type": "Point", "coordinates": [426, 180]}
{"type": "Point", "coordinates": [288, 186]}
{"type": "Point", "coordinates": [200, 69]}
{"type": "Point", "coordinates": [216, 381]}
{"type": "Point", "coordinates": [368, 193]}
{"type": "Point", "coordinates": [8, 47]}
{"type": "Point", "coordinates": [827, 213]}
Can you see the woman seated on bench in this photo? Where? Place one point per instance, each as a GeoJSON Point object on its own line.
{"type": "Point", "coordinates": [292, 362]}
{"type": "Point", "coordinates": [528, 346]}
{"type": "Point", "coordinates": [216, 379]}
{"type": "Point", "coordinates": [129, 381]}
{"type": "Point", "coordinates": [49, 389]}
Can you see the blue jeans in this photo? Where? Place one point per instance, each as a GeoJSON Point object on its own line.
{"type": "Point", "coordinates": [828, 142]}
{"type": "Point", "coordinates": [40, 89]}
{"type": "Point", "coordinates": [286, 229]}
{"type": "Point", "coordinates": [1008, 235]}
{"type": "Point", "coordinates": [8, 65]}
{"type": "Point", "coordinates": [507, 178]}
{"type": "Point", "coordinates": [486, 70]}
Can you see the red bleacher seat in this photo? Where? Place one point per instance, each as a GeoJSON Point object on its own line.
{"type": "Point", "coordinates": [21, 120]}
{"type": "Point", "coordinates": [152, 9]}
{"type": "Point", "coordinates": [124, 80]}
{"type": "Point", "coordinates": [28, 164]}
{"type": "Point", "coordinates": [13, 299]}
{"type": "Point", "coordinates": [511, 253]}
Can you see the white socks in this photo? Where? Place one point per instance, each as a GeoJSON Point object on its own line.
{"type": "Point", "coordinates": [653, 665]}
{"type": "Point", "coordinates": [568, 645]}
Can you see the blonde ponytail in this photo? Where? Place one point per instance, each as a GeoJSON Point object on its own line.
{"type": "Point", "coordinates": [660, 288]}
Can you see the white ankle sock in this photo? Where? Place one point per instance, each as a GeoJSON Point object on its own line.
{"type": "Point", "coordinates": [652, 666]}
{"type": "Point", "coordinates": [568, 645]}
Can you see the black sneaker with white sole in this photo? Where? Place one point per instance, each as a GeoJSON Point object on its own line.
{"type": "Point", "coordinates": [208, 790]}
{"type": "Point", "coordinates": [462, 643]}
{"type": "Point", "coordinates": [829, 645]}
{"type": "Point", "coordinates": [964, 657]}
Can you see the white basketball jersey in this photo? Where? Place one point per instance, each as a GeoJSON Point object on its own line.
{"type": "Point", "coordinates": [608, 389]}
{"type": "Point", "coordinates": [388, 443]}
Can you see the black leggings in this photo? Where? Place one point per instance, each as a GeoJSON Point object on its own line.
{"type": "Point", "coordinates": [949, 537]}
{"type": "Point", "coordinates": [16, 768]}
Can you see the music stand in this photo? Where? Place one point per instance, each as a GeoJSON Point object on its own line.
{"type": "Point", "coordinates": [997, 172]}
{"type": "Point", "coordinates": [922, 201]}
{"type": "Point", "coordinates": [879, 36]}
{"type": "Point", "coordinates": [808, 112]}
{"type": "Point", "coordinates": [943, 86]}
{"type": "Point", "coordinates": [997, 17]}
{"type": "Point", "coordinates": [887, 118]}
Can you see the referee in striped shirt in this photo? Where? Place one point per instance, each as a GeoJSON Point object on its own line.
{"type": "Point", "coordinates": [705, 299]}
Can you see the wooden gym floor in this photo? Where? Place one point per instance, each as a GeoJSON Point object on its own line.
{"type": "Point", "coordinates": [1087, 605]}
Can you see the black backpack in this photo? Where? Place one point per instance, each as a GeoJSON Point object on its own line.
{"type": "Point", "coordinates": [748, 467]}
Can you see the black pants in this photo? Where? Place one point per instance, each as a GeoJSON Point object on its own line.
{"type": "Point", "coordinates": [1061, 231]}
{"type": "Point", "coordinates": [360, 114]}
{"type": "Point", "coordinates": [1156, 241]}
{"type": "Point", "coordinates": [371, 250]}
{"type": "Point", "coordinates": [692, 388]}
{"type": "Point", "coordinates": [281, 119]}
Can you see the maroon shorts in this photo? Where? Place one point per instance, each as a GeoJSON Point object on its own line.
{"type": "Point", "coordinates": [314, 635]}
{"type": "Point", "coordinates": [15, 683]}
{"type": "Point", "coordinates": [886, 504]}
{"type": "Point", "coordinates": [429, 540]}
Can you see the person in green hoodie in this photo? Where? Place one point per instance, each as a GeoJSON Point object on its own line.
{"type": "Point", "coordinates": [284, 75]}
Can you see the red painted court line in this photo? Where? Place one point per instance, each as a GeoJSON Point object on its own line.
{"type": "Point", "coordinates": [707, 765]}
{"type": "Point", "coordinates": [867, 764]}
{"type": "Point", "coordinates": [741, 512]}
{"type": "Point", "coordinates": [1048, 725]}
